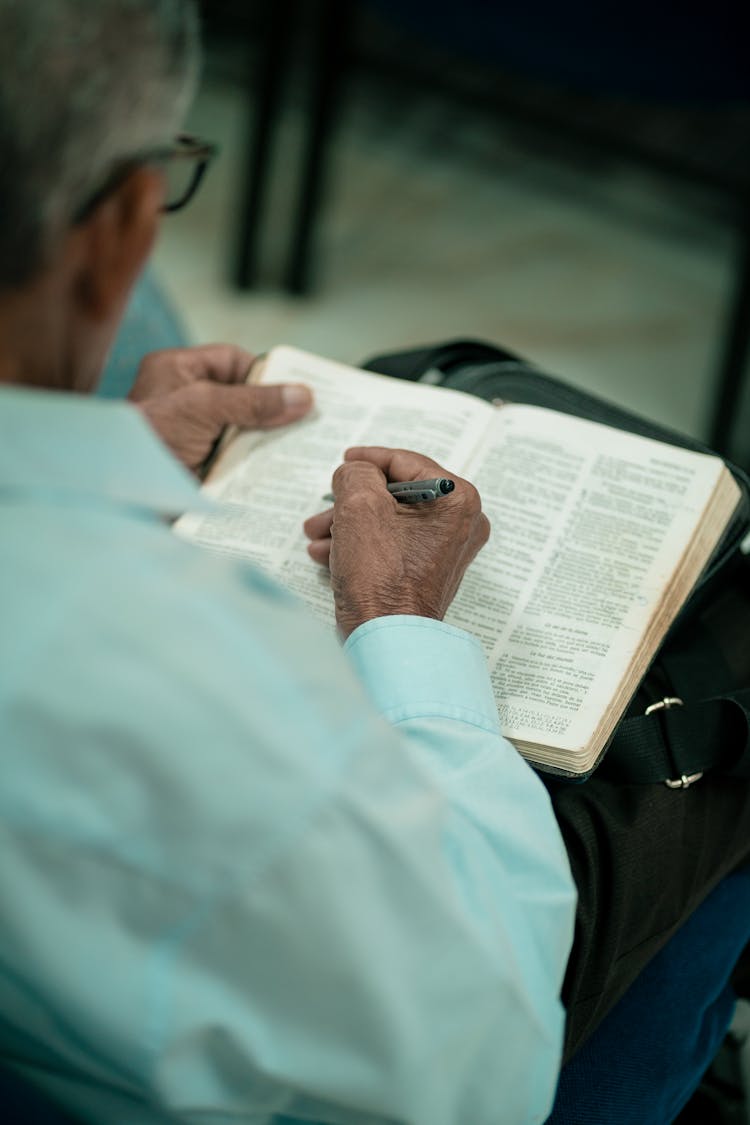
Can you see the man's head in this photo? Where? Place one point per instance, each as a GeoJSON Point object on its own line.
{"type": "Point", "coordinates": [89, 91]}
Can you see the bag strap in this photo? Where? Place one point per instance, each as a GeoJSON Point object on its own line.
{"type": "Point", "coordinates": [443, 357]}
{"type": "Point", "coordinates": [676, 742]}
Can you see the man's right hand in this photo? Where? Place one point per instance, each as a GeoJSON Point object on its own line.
{"type": "Point", "coordinates": [388, 558]}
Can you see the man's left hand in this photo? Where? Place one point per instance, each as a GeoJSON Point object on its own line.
{"type": "Point", "coordinates": [189, 395]}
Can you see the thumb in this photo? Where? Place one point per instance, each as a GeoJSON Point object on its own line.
{"type": "Point", "coordinates": [253, 407]}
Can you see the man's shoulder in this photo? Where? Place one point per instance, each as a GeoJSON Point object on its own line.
{"type": "Point", "coordinates": [180, 692]}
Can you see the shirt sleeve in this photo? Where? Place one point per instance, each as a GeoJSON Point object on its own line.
{"type": "Point", "coordinates": [269, 880]}
{"type": "Point", "coordinates": [431, 681]}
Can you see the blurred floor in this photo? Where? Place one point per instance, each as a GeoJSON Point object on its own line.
{"type": "Point", "coordinates": [439, 223]}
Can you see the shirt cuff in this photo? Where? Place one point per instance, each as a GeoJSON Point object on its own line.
{"type": "Point", "coordinates": [415, 667]}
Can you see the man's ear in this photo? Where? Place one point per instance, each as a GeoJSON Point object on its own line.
{"type": "Point", "coordinates": [114, 243]}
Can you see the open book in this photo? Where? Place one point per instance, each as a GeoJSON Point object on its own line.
{"type": "Point", "coordinates": [598, 536]}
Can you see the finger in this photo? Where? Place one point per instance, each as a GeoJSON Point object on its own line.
{"type": "Point", "coordinates": [397, 464]}
{"type": "Point", "coordinates": [361, 479]}
{"type": "Point", "coordinates": [319, 525]}
{"type": "Point", "coordinates": [221, 363]}
{"type": "Point", "coordinates": [169, 368]}
{"type": "Point", "coordinates": [253, 407]}
{"type": "Point", "coordinates": [320, 551]}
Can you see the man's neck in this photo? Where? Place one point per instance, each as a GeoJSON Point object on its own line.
{"type": "Point", "coordinates": [35, 337]}
{"type": "Point", "coordinates": [28, 336]}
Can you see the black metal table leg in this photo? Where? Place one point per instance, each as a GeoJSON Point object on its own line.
{"type": "Point", "coordinates": [736, 348]}
{"type": "Point", "coordinates": [332, 25]}
{"type": "Point", "coordinates": [266, 91]}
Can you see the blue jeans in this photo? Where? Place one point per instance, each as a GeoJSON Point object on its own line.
{"type": "Point", "coordinates": [648, 1055]}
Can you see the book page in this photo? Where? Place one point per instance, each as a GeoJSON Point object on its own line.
{"type": "Point", "coordinates": [589, 524]}
{"type": "Point", "coordinates": [268, 483]}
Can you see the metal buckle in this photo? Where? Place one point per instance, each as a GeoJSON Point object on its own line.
{"type": "Point", "coordinates": [664, 704]}
{"type": "Point", "coordinates": [687, 779]}
{"type": "Point", "coordinates": [683, 782]}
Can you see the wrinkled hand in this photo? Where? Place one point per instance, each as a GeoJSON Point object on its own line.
{"type": "Point", "coordinates": [387, 557]}
{"type": "Point", "coordinates": [189, 395]}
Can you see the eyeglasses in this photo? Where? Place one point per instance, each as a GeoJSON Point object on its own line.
{"type": "Point", "coordinates": [185, 163]}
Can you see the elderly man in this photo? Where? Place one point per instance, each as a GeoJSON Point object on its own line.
{"type": "Point", "coordinates": [245, 874]}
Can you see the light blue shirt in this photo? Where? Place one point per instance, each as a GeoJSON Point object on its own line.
{"type": "Point", "coordinates": [247, 875]}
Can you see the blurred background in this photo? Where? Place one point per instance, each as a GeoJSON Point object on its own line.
{"type": "Point", "coordinates": [569, 182]}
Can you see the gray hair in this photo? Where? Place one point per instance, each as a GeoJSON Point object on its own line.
{"type": "Point", "coordinates": [84, 84]}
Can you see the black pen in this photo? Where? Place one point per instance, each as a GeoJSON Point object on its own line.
{"type": "Point", "coordinates": [415, 491]}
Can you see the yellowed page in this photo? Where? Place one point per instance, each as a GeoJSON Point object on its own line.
{"type": "Point", "coordinates": [589, 526]}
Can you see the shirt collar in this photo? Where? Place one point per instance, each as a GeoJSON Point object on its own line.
{"type": "Point", "coordinates": [73, 444]}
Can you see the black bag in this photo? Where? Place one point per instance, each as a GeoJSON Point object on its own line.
{"type": "Point", "coordinates": [691, 712]}
{"type": "Point", "coordinates": [643, 856]}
